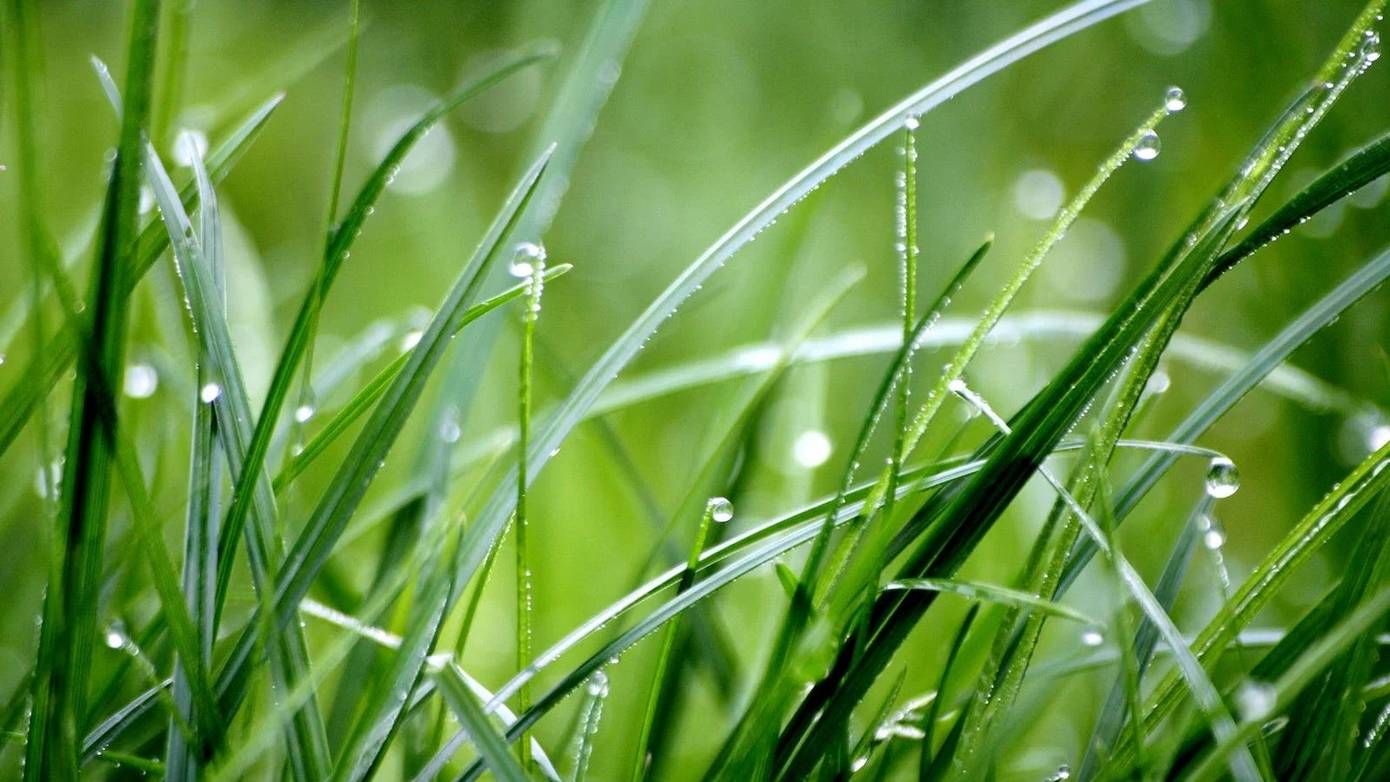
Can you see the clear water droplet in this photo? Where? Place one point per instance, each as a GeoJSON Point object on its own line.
{"type": "Point", "coordinates": [911, 123]}
{"type": "Point", "coordinates": [1148, 146]}
{"type": "Point", "coordinates": [1222, 478]}
{"type": "Point", "coordinates": [1370, 47]}
{"type": "Point", "coordinates": [1175, 99]}
{"type": "Point", "coordinates": [1255, 700]}
{"type": "Point", "coordinates": [720, 509]}
{"type": "Point", "coordinates": [1214, 539]}
{"type": "Point", "coordinates": [1378, 436]}
{"type": "Point", "coordinates": [812, 448]}
{"type": "Point", "coordinates": [115, 639]}
{"type": "Point", "coordinates": [450, 431]}
{"type": "Point", "coordinates": [1062, 774]}
{"type": "Point", "coordinates": [528, 256]}
{"type": "Point", "coordinates": [303, 413]}
{"type": "Point", "coordinates": [210, 392]}
{"type": "Point", "coordinates": [411, 339]}
{"type": "Point", "coordinates": [141, 381]}
{"type": "Point", "coordinates": [1092, 638]}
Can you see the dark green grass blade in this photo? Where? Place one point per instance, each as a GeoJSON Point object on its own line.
{"type": "Point", "coordinates": [43, 373]}
{"type": "Point", "coordinates": [549, 437]}
{"type": "Point", "coordinates": [59, 711]}
{"type": "Point", "coordinates": [297, 342]}
{"type": "Point", "coordinates": [316, 541]}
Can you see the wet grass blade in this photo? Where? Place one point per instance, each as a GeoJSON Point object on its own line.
{"type": "Point", "coordinates": [572, 410]}
{"type": "Point", "coordinates": [992, 593]}
{"type": "Point", "coordinates": [59, 708]}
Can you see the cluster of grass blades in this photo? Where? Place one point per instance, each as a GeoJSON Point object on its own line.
{"type": "Point", "coordinates": [226, 693]}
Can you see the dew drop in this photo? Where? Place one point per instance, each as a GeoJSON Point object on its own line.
{"type": "Point", "coordinates": [1370, 47]}
{"type": "Point", "coordinates": [598, 684]}
{"type": "Point", "coordinates": [720, 509]}
{"type": "Point", "coordinates": [1148, 146]}
{"type": "Point", "coordinates": [141, 380]}
{"type": "Point", "coordinates": [1214, 539]}
{"type": "Point", "coordinates": [811, 449]}
{"type": "Point", "coordinates": [1062, 774]}
{"type": "Point", "coordinates": [303, 413]}
{"type": "Point", "coordinates": [1255, 700]}
{"type": "Point", "coordinates": [1222, 478]}
{"type": "Point", "coordinates": [115, 639]}
{"type": "Point", "coordinates": [1092, 638]}
{"type": "Point", "coordinates": [528, 256]}
{"type": "Point", "coordinates": [210, 392]}
{"type": "Point", "coordinates": [911, 123]}
{"type": "Point", "coordinates": [411, 339]}
{"type": "Point", "coordinates": [1175, 99]}
{"type": "Point", "coordinates": [450, 431]}
{"type": "Point", "coordinates": [1378, 437]}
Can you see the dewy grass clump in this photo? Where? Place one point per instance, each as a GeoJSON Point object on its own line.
{"type": "Point", "coordinates": [361, 554]}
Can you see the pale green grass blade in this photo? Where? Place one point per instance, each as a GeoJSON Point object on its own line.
{"type": "Point", "coordinates": [228, 396]}
{"type": "Point", "coordinates": [490, 744]}
{"type": "Point", "coordinates": [532, 258]}
{"type": "Point", "coordinates": [993, 593]}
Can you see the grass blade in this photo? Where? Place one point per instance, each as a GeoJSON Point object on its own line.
{"type": "Point", "coordinates": [59, 710]}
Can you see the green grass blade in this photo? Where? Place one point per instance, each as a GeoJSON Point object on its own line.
{"type": "Point", "coordinates": [59, 710]}
{"type": "Point", "coordinates": [321, 531]}
{"type": "Point", "coordinates": [993, 593]}
{"type": "Point", "coordinates": [296, 344]}
{"type": "Point", "coordinates": [490, 744]}
{"type": "Point", "coordinates": [498, 509]}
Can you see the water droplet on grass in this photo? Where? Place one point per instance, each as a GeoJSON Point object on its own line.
{"type": "Point", "coordinates": [811, 449]}
{"type": "Point", "coordinates": [210, 392]}
{"type": "Point", "coordinates": [528, 256]}
{"type": "Point", "coordinates": [1175, 99]}
{"type": "Point", "coordinates": [1148, 146]}
{"type": "Point", "coordinates": [1222, 478]}
{"type": "Point", "coordinates": [1092, 638]}
{"type": "Point", "coordinates": [303, 413]}
{"type": "Point", "coordinates": [720, 509]}
{"type": "Point", "coordinates": [141, 380]}
{"type": "Point", "coordinates": [1255, 700]}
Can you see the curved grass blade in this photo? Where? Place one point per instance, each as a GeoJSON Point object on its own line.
{"type": "Point", "coordinates": [59, 709]}
{"type": "Point", "coordinates": [498, 509]}
{"type": "Point", "coordinates": [964, 514]}
{"type": "Point", "coordinates": [993, 593]}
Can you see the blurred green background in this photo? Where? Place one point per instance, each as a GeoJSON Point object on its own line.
{"type": "Point", "coordinates": [718, 103]}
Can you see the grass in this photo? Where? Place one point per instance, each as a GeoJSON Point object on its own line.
{"type": "Point", "coordinates": [340, 646]}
